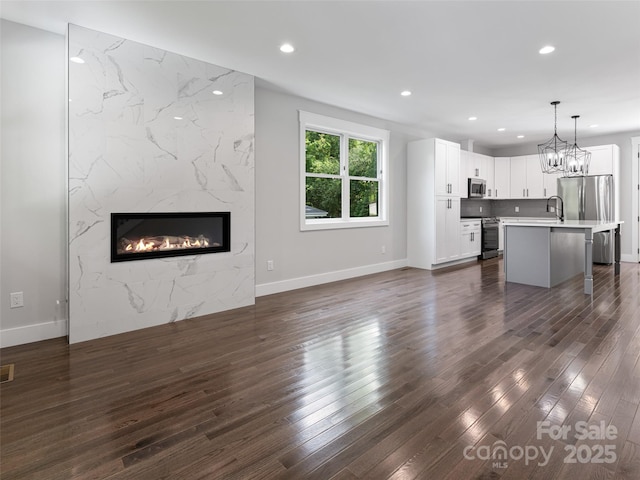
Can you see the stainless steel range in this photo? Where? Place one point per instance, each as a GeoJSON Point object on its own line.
{"type": "Point", "coordinates": [490, 237]}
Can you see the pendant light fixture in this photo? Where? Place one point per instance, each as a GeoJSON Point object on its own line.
{"type": "Point", "coordinates": [576, 160]}
{"type": "Point", "coordinates": [552, 153]}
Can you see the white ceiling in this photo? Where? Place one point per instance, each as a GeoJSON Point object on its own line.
{"type": "Point", "coordinates": [459, 58]}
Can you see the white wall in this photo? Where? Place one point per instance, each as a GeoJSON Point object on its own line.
{"type": "Point", "coordinates": [311, 257]}
{"type": "Point", "coordinates": [628, 183]}
{"type": "Point", "coordinates": [33, 184]}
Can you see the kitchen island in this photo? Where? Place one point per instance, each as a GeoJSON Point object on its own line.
{"type": "Point", "coordinates": [545, 253]}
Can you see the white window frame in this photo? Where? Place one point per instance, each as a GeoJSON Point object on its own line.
{"type": "Point", "coordinates": [346, 130]}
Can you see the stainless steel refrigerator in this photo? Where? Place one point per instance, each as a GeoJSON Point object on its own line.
{"type": "Point", "coordinates": [591, 198]}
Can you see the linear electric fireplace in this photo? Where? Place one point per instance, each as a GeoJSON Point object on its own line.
{"type": "Point", "coordinates": [138, 236]}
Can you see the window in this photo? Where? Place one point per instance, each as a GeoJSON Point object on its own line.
{"type": "Point", "coordinates": [343, 174]}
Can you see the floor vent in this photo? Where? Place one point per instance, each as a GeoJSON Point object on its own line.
{"type": "Point", "coordinates": [6, 373]}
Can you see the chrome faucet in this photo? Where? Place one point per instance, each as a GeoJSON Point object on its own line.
{"type": "Point", "coordinates": [561, 216]}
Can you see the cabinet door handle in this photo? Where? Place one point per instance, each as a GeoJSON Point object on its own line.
{"type": "Point", "coordinates": [545, 192]}
{"type": "Point", "coordinates": [489, 192]}
{"type": "Point", "coordinates": [527, 192]}
{"type": "Point", "coordinates": [472, 236]}
{"type": "Point", "coordinates": [496, 193]}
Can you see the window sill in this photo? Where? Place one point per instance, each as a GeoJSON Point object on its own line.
{"type": "Point", "coordinates": [332, 224]}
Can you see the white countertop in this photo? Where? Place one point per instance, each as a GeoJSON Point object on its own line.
{"type": "Point", "coordinates": [595, 225]}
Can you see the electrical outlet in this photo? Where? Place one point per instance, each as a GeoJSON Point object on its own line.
{"type": "Point", "coordinates": [269, 265]}
{"type": "Point", "coordinates": [517, 209]}
{"type": "Point", "coordinates": [17, 299]}
{"type": "Point", "coordinates": [552, 209]}
{"type": "Point", "coordinates": [480, 209]}
{"type": "Point", "coordinates": [383, 250]}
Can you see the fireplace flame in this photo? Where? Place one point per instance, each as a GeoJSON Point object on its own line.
{"type": "Point", "coordinates": [165, 242]}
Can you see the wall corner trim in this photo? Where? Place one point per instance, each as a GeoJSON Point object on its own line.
{"type": "Point", "coordinates": [318, 279]}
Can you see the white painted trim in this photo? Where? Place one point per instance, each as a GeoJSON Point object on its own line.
{"type": "Point", "coordinates": [453, 263]}
{"type": "Point", "coordinates": [336, 126]}
{"type": "Point", "coordinates": [635, 198]}
{"type": "Point", "coordinates": [626, 257]}
{"type": "Point", "coordinates": [312, 280]}
{"type": "Point", "coordinates": [32, 333]}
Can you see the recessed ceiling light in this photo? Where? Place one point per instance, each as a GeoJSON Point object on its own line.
{"type": "Point", "coordinates": [287, 48]}
{"type": "Point", "coordinates": [473, 118]}
{"type": "Point", "coordinates": [217, 92]}
{"type": "Point", "coordinates": [405, 93]}
{"type": "Point", "coordinates": [594, 125]}
{"type": "Point", "coordinates": [76, 60]}
{"type": "Point", "coordinates": [501, 129]}
{"type": "Point", "coordinates": [520, 136]}
{"type": "Point", "coordinates": [177, 118]}
{"type": "Point", "coordinates": [546, 49]}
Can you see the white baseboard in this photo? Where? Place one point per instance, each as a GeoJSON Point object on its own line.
{"type": "Point", "coordinates": [626, 257]}
{"type": "Point", "coordinates": [311, 280]}
{"type": "Point", "coordinates": [32, 333]}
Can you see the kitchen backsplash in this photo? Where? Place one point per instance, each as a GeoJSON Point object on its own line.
{"type": "Point", "coordinates": [472, 207]}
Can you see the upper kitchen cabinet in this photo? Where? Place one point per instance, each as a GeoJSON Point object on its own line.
{"type": "Point", "coordinates": [605, 160]}
{"type": "Point", "coordinates": [527, 179]}
{"type": "Point", "coordinates": [488, 172]}
{"type": "Point", "coordinates": [476, 165]}
{"type": "Point", "coordinates": [550, 184]}
{"type": "Point", "coordinates": [464, 169]}
{"type": "Point", "coordinates": [502, 177]}
{"type": "Point", "coordinates": [518, 177]}
{"type": "Point", "coordinates": [446, 159]}
{"type": "Point", "coordinates": [535, 177]}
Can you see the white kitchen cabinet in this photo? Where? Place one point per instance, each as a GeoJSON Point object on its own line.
{"type": "Point", "coordinates": [605, 160]}
{"type": "Point", "coordinates": [433, 220]}
{"type": "Point", "coordinates": [502, 177]}
{"type": "Point", "coordinates": [446, 156]}
{"type": "Point", "coordinates": [464, 178]}
{"type": "Point", "coordinates": [518, 176]}
{"type": "Point", "coordinates": [535, 177]}
{"type": "Point", "coordinates": [447, 247]}
{"type": "Point", "coordinates": [527, 179]}
{"type": "Point", "coordinates": [551, 184]}
{"type": "Point", "coordinates": [476, 165]}
{"type": "Point", "coordinates": [488, 170]}
{"type": "Point", "coordinates": [470, 238]}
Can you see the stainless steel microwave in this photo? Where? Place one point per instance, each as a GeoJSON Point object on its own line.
{"type": "Point", "coordinates": [477, 188]}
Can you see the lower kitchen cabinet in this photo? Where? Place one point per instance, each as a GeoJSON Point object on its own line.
{"type": "Point", "coordinates": [447, 247]}
{"type": "Point", "coordinates": [470, 238]}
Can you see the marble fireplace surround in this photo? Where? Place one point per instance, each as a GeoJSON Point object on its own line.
{"type": "Point", "coordinates": [146, 134]}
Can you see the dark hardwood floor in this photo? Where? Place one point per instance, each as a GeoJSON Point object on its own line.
{"type": "Point", "coordinates": [404, 374]}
